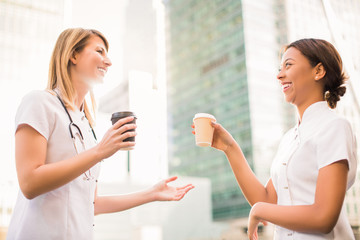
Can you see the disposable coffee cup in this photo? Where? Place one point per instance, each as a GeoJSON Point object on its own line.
{"type": "Point", "coordinates": [203, 130]}
{"type": "Point", "coordinates": [119, 115]}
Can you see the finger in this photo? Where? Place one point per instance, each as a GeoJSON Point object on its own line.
{"type": "Point", "coordinates": [192, 125]}
{"type": "Point", "coordinates": [179, 197]}
{"type": "Point", "coordinates": [184, 187]}
{"type": "Point", "coordinates": [126, 127]}
{"type": "Point", "coordinates": [122, 121]}
{"type": "Point", "coordinates": [265, 223]}
{"type": "Point", "coordinates": [214, 124]}
{"type": "Point", "coordinates": [171, 179]}
{"type": "Point", "coordinates": [193, 132]}
{"type": "Point", "coordinates": [255, 237]}
{"type": "Point", "coordinates": [188, 189]}
{"type": "Point", "coordinates": [184, 190]}
{"type": "Point", "coordinates": [126, 135]}
{"type": "Point", "coordinates": [251, 231]}
{"type": "Point", "coordinates": [126, 145]}
{"type": "Point", "coordinates": [182, 193]}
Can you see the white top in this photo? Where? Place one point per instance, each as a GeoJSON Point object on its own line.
{"type": "Point", "coordinates": [66, 212]}
{"type": "Point", "coordinates": [321, 139]}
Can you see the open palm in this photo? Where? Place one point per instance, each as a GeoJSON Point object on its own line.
{"type": "Point", "coordinates": [164, 192]}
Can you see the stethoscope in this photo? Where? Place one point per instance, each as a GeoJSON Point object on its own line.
{"type": "Point", "coordinates": [80, 136]}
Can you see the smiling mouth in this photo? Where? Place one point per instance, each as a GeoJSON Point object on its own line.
{"type": "Point", "coordinates": [102, 70]}
{"type": "Point", "coordinates": [286, 86]}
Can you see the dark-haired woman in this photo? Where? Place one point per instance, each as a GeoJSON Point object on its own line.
{"type": "Point", "coordinates": [316, 160]}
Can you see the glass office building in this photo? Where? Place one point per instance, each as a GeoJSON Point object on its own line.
{"type": "Point", "coordinates": [212, 67]}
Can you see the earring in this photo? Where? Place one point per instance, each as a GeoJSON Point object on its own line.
{"type": "Point", "coordinates": [316, 78]}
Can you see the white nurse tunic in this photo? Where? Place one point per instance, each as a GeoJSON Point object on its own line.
{"type": "Point", "coordinates": [321, 139]}
{"type": "Point", "coordinates": [66, 212]}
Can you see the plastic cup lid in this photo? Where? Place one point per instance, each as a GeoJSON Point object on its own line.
{"type": "Point", "coordinates": [122, 114]}
{"type": "Point", "coordinates": [204, 115]}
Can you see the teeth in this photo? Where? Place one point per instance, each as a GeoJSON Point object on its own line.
{"type": "Point", "coordinates": [102, 70]}
{"type": "Point", "coordinates": [287, 85]}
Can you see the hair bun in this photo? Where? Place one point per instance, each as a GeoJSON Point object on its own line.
{"type": "Point", "coordinates": [333, 96]}
{"type": "Point", "coordinates": [341, 90]}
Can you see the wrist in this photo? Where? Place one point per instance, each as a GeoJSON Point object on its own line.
{"type": "Point", "coordinates": [96, 153]}
{"type": "Point", "coordinates": [256, 210]}
{"type": "Point", "coordinates": [231, 147]}
{"type": "Point", "coordinates": [152, 194]}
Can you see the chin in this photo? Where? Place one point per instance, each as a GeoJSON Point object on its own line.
{"type": "Point", "coordinates": [288, 99]}
{"type": "Point", "coordinates": [98, 80]}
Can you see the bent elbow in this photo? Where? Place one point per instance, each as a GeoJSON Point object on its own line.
{"type": "Point", "coordinates": [28, 195]}
{"type": "Point", "coordinates": [327, 224]}
{"type": "Point", "coordinates": [326, 229]}
{"type": "Point", "coordinates": [28, 192]}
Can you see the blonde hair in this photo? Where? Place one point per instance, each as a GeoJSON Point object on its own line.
{"type": "Point", "coordinates": [69, 42]}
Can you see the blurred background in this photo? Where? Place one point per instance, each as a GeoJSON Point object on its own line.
{"type": "Point", "coordinates": [172, 59]}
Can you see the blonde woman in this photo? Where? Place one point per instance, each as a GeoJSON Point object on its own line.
{"type": "Point", "coordinates": [57, 153]}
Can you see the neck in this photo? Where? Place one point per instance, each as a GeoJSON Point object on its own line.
{"type": "Point", "coordinates": [303, 106]}
{"type": "Point", "coordinates": [81, 89]}
{"type": "Point", "coordinates": [80, 97]}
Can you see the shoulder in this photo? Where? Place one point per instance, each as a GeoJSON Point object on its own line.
{"type": "Point", "coordinates": [335, 128]}
{"type": "Point", "coordinates": [334, 121]}
{"type": "Point", "coordinates": [37, 102]}
{"type": "Point", "coordinates": [39, 95]}
{"type": "Point", "coordinates": [39, 98]}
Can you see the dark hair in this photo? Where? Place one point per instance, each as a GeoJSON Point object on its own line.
{"type": "Point", "coordinates": [321, 51]}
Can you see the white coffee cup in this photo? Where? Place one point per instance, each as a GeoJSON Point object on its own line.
{"type": "Point", "coordinates": [203, 130]}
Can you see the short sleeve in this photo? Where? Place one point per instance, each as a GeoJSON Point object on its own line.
{"type": "Point", "coordinates": [35, 110]}
{"type": "Point", "coordinates": [336, 142]}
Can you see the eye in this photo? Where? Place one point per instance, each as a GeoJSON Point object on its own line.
{"type": "Point", "coordinates": [288, 64]}
{"type": "Point", "coordinates": [100, 51]}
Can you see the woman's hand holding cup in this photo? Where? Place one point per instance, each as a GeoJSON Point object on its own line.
{"type": "Point", "coordinates": [222, 139]}
{"type": "Point", "coordinates": [113, 139]}
{"type": "Point", "coordinates": [211, 133]}
{"type": "Point", "coordinates": [115, 117]}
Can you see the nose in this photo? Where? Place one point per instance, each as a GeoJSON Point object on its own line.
{"type": "Point", "coordinates": [107, 61]}
{"type": "Point", "coordinates": [280, 75]}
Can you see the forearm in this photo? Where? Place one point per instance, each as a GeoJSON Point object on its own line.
{"type": "Point", "coordinates": [304, 218]}
{"type": "Point", "coordinates": [51, 176]}
{"type": "Point", "coordinates": [251, 187]}
{"type": "Point", "coordinates": [117, 203]}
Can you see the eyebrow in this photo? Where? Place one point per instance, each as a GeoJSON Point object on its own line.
{"type": "Point", "coordinates": [286, 61]}
{"type": "Point", "coordinates": [289, 59]}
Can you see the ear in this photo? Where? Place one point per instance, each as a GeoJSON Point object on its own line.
{"type": "Point", "coordinates": [319, 71]}
{"type": "Point", "coordinates": [74, 57]}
